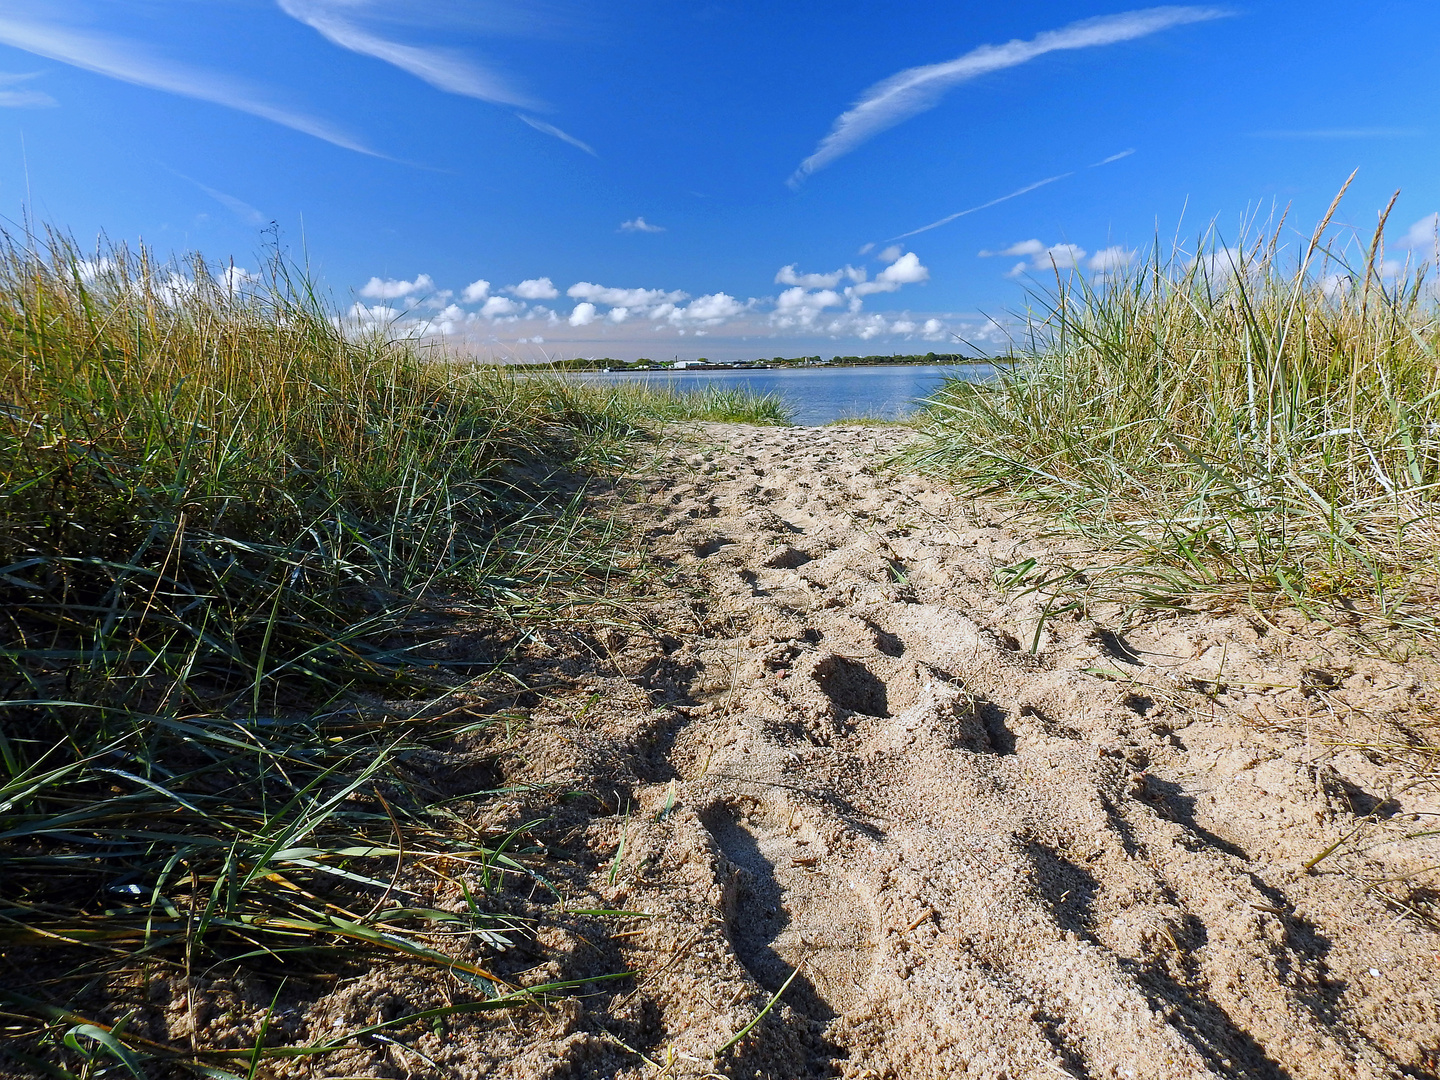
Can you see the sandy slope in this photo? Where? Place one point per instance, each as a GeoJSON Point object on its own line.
{"type": "Point", "coordinates": [1085, 861]}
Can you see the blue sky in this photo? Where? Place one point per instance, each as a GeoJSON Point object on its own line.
{"type": "Point", "coordinates": [566, 177]}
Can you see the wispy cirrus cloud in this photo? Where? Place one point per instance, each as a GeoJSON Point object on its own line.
{"type": "Point", "coordinates": [239, 207]}
{"type": "Point", "coordinates": [551, 129]}
{"type": "Point", "coordinates": [1122, 155]}
{"type": "Point", "coordinates": [445, 69]}
{"type": "Point", "coordinates": [1341, 133]}
{"type": "Point", "coordinates": [11, 98]}
{"type": "Point", "coordinates": [343, 23]}
{"type": "Point", "coordinates": [1013, 195]}
{"type": "Point", "coordinates": [917, 89]}
{"type": "Point", "coordinates": [132, 62]}
{"type": "Point", "coordinates": [984, 206]}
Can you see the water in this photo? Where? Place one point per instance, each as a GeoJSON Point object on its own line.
{"type": "Point", "coordinates": [821, 394]}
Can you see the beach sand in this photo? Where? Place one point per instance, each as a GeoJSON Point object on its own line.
{"type": "Point", "coordinates": [989, 841]}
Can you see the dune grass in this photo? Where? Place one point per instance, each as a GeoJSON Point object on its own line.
{"type": "Point", "coordinates": [665, 402]}
{"type": "Point", "coordinates": [1259, 420]}
{"type": "Point", "coordinates": [224, 524]}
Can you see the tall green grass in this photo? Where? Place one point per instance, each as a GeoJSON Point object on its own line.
{"type": "Point", "coordinates": [1262, 419]}
{"type": "Point", "coordinates": [223, 524]}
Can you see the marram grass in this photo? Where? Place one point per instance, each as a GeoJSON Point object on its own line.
{"type": "Point", "coordinates": [221, 521]}
{"type": "Point", "coordinates": [1258, 420]}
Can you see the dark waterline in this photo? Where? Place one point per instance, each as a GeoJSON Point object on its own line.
{"type": "Point", "coordinates": [821, 394]}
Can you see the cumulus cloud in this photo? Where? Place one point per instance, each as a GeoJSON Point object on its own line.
{"type": "Point", "coordinates": [891, 253]}
{"type": "Point", "coordinates": [236, 279]}
{"type": "Point", "coordinates": [583, 315]}
{"type": "Point", "coordinates": [1041, 257]}
{"type": "Point", "coordinates": [641, 300]}
{"type": "Point", "coordinates": [499, 307]}
{"type": "Point", "coordinates": [799, 307]}
{"type": "Point", "coordinates": [534, 289]}
{"type": "Point", "coordinates": [1064, 256]}
{"type": "Point", "coordinates": [391, 289]}
{"type": "Point", "coordinates": [365, 316]}
{"type": "Point", "coordinates": [130, 61]}
{"type": "Point", "coordinates": [639, 224]}
{"type": "Point", "coordinates": [1025, 248]}
{"type": "Point", "coordinates": [1111, 260]}
{"type": "Point", "coordinates": [1220, 265]}
{"type": "Point", "coordinates": [1422, 237]}
{"type": "Point", "coordinates": [787, 275]}
{"type": "Point", "coordinates": [709, 310]}
{"type": "Point", "coordinates": [917, 89]}
{"type": "Point", "coordinates": [476, 291]}
{"type": "Point", "coordinates": [906, 270]}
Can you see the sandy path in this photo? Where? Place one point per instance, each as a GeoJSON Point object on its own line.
{"type": "Point", "coordinates": [990, 860]}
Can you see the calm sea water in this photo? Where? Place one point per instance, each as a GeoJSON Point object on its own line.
{"type": "Point", "coordinates": [819, 395]}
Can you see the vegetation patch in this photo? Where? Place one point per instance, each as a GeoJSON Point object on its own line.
{"type": "Point", "coordinates": [1225, 424]}
{"type": "Point", "coordinates": [233, 736]}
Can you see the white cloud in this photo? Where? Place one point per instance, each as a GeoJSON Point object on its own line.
{"type": "Point", "coordinates": [476, 291]}
{"type": "Point", "coordinates": [917, 89]}
{"type": "Point", "coordinates": [984, 206]}
{"type": "Point", "coordinates": [933, 327]}
{"type": "Point", "coordinates": [1341, 133]}
{"type": "Point", "coordinates": [551, 129]}
{"type": "Point", "coordinates": [1336, 285]}
{"type": "Point", "coordinates": [618, 315]}
{"type": "Point", "coordinates": [639, 224]}
{"type": "Point", "coordinates": [1025, 248]}
{"type": "Point", "coordinates": [368, 316]}
{"type": "Point", "coordinates": [583, 315]}
{"type": "Point", "coordinates": [865, 249]}
{"type": "Point", "coordinates": [534, 289]}
{"type": "Point", "coordinates": [444, 69]}
{"type": "Point", "coordinates": [498, 307]}
{"type": "Point", "coordinates": [236, 279]}
{"type": "Point", "coordinates": [1111, 260]}
{"type": "Point", "coordinates": [239, 207]}
{"type": "Point", "coordinates": [709, 310]}
{"type": "Point", "coordinates": [90, 270]}
{"type": "Point", "coordinates": [641, 300]}
{"type": "Point", "coordinates": [23, 99]}
{"type": "Point", "coordinates": [1113, 158]}
{"type": "Point", "coordinates": [1220, 265]}
{"type": "Point", "coordinates": [129, 61]}
{"type": "Point", "coordinates": [1062, 256]}
{"type": "Point", "coordinates": [390, 289]}
{"type": "Point", "coordinates": [1042, 258]}
{"type": "Point", "coordinates": [1422, 237]}
{"type": "Point", "coordinates": [891, 253]}
{"type": "Point", "coordinates": [787, 275]}
{"type": "Point", "coordinates": [799, 307]}
{"type": "Point", "coordinates": [906, 270]}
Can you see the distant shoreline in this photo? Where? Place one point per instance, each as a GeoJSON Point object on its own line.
{"type": "Point", "coordinates": [776, 364]}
